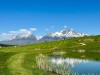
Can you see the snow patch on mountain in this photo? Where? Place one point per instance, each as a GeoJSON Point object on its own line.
{"type": "Point", "coordinates": [38, 37]}
{"type": "Point", "coordinates": [66, 33]}
{"type": "Point", "coordinates": [63, 34]}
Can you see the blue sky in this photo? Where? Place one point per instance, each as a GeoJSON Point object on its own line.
{"type": "Point", "coordinates": [50, 15]}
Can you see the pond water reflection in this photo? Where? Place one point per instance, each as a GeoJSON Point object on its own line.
{"type": "Point", "coordinates": [81, 66]}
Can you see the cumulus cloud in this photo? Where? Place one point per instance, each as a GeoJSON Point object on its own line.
{"type": "Point", "coordinates": [4, 36]}
{"type": "Point", "coordinates": [24, 31]}
{"type": "Point", "coordinates": [12, 34]}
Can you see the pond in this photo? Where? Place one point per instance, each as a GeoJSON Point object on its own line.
{"type": "Point", "coordinates": [80, 66]}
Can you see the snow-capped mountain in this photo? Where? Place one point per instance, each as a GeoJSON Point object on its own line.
{"type": "Point", "coordinates": [25, 36]}
{"type": "Point", "coordinates": [29, 38]}
{"type": "Point", "coordinates": [21, 39]}
{"type": "Point", "coordinates": [38, 37]}
{"type": "Point", "coordinates": [63, 34]}
{"type": "Point", "coordinates": [71, 33]}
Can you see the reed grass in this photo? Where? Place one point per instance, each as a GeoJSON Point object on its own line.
{"type": "Point", "coordinates": [43, 62]}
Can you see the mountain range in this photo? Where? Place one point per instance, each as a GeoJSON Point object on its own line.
{"type": "Point", "coordinates": [22, 39]}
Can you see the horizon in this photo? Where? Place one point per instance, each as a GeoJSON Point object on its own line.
{"type": "Point", "coordinates": [42, 16]}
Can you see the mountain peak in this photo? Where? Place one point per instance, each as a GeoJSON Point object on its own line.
{"type": "Point", "coordinates": [64, 31]}
{"type": "Point", "coordinates": [24, 35]}
{"type": "Point", "coordinates": [68, 33]}
{"type": "Point", "coordinates": [26, 38]}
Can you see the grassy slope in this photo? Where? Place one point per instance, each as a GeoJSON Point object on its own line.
{"type": "Point", "coordinates": [21, 60]}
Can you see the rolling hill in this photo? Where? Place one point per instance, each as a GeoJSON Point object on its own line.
{"type": "Point", "coordinates": [21, 60]}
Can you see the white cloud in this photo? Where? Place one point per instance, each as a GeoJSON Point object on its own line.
{"type": "Point", "coordinates": [4, 36]}
{"type": "Point", "coordinates": [24, 31]}
{"type": "Point", "coordinates": [33, 29]}
{"type": "Point", "coordinates": [12, 34]}
{"type": "Point", "coordinates": [49, 28]}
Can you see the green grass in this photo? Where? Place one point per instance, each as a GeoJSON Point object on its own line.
{"type": "Point", "coordinates": [21, 60]}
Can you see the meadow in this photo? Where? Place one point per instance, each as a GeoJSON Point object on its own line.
{"type": "Point", "coordinates": [21, 60]}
